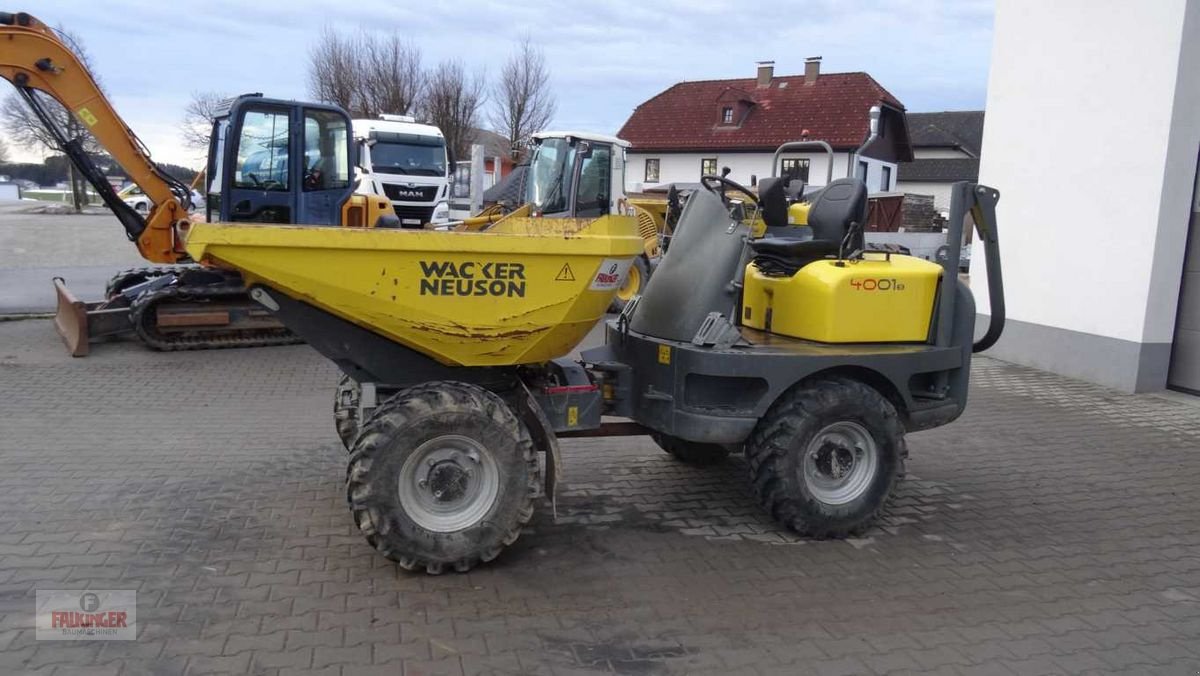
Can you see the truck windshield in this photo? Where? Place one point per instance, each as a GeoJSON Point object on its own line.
{"type": "Point", "coordinates": [408, 154]}
{"type": "Point", "coordinates": [550, 174]}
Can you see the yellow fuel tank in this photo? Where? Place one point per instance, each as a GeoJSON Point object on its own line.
{"type": "Point", "coordinates": [878, 299]}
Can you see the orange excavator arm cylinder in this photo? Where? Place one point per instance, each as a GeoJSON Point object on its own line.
{"type": "Point", "coordinates": [33, 57]}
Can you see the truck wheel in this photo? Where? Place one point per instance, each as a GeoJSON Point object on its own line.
{"type": "Point", "coordinates": [345, 410]}
{"type": "Point", "coordinates": [691, 452]}
{"type": "Point", "coordinates": [635, 282]}
{"type": "Point", "coordinates": [825, 457]}
{"type": "Point", "coordinates": [442, 475]}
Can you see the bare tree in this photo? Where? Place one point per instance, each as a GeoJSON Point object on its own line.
{"type": "Point", "coordinates": [522, 100]}
{"type": "Point", "coordinates": [333, 70]}
{"type": "Point", "coordinates": [198, 118]}
{"type": "Point", "coordinates": [26, 130]}
{"type": "Point", "coordinates": [366, 74]}
{"type": "Point", "coordinates": [452, 102]}
{"type": "Point", "coordinates": [391, 80]}
{"type": "Point", "coordinates": [3, 153]}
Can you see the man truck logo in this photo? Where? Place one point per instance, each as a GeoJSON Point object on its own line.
{"type": "Point", "coordinates": [417, 194]}
{"type": "Point", "coordinates": [447, 278]}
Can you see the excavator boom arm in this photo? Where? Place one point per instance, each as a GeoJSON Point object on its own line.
{"type": "Point", "coordinates": [35, 59]}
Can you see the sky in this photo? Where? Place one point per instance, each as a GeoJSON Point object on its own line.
{"type": "Point", "coordinates": [605, 56]}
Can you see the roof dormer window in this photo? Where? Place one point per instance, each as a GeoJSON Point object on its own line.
{"type": "Point", "coordinates": [727, 115]}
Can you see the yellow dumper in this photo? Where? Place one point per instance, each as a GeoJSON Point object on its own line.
{"type": "Point", "coordinates": [792, 345]}
{"type": "Point", "coordinates": [455, 389]}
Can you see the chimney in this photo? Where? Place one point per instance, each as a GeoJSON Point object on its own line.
{"type": "Point", "coordinates": [766, 70]}
{"type": "Point", "coordinates": [812, 68]}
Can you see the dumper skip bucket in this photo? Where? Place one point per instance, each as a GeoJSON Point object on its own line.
{"type": "Point", "coordinates": [525, 291]}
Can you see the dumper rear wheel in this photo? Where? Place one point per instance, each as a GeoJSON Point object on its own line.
{"type": "Point", "coordinates": [691, 452]}
{"type": "Point", "coordinates": [825, 457]}
{"type": "Point", "coordinates": [442, 476]}
{"type": "Point", "coordinates": [345, 410]}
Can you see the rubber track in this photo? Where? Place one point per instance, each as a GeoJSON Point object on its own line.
{"type": "Point", "coordinates": [147, 272]}
{"type": "Point", "coordinates": [218, 338]}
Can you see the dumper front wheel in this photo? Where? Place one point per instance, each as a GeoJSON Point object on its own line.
{"type": "Point", "coordinates": [442, 476]}
{"type": "Point", "coordinates": [825, 457]}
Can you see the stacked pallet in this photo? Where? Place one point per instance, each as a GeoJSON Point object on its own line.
{"type": "Point", "coordinates": [920, 215]}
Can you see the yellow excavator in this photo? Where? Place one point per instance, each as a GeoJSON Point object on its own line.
{"type": "Point", "coordinates": [182, 305]}
{"type": "Point", "coordinates": [797, 347]}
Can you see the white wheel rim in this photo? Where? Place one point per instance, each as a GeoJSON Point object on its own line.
{"type": "Point", "coordinates": [449, 483]}
{"type": "Point", "coordinates": [839, 463]}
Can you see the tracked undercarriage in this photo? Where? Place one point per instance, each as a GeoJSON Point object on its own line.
{"type": "Point", "coordinates": [174, 307]}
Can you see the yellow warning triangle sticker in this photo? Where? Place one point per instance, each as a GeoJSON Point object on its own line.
{"type": "Point", "coordinates": [565, 275]}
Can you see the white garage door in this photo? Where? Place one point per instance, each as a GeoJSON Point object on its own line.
{"type": "Point", "coordinates": [1185, 355]}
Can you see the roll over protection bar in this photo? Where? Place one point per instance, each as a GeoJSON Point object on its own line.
{"type": "Point", "coordinates": [980, 202]}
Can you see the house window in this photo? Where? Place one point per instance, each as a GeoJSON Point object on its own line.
{"type": "Point", "coordinates": [727, 115]}
{"type": "Point", "coordinates": [795, 169]}
{"type": "Point", "coordinates": [652, 171]}
{"type": "Point", "coordinates": [862, 171]}
{"type": "Point", "coordinates": [885, 183]}
{"type": "Point", "coordinates": [708, 166]}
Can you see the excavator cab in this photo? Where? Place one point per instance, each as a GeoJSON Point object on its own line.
{"type": "Point", "coordinates": [275, 161]}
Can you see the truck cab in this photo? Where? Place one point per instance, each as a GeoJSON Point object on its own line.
{"type": "Point", "coordinates": [408, 163]}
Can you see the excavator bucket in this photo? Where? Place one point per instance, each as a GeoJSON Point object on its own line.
{"type": "Point", "coordinates": [526, 290]}
{"type": "Point", "coordinates": [79, 323]}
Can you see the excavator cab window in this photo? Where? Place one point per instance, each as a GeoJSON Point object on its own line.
{"type": "Point", "coordinates": [262, 159]}
{"type": "Point", "coordinates": [215, 174]}
{"type": "Point", "coordinates": [280, 162]}
{"type": "Point", "coordinates": [325, 151]}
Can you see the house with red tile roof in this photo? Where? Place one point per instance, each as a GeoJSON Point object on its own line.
{"type": "Point", "coordinates": [697, 128]}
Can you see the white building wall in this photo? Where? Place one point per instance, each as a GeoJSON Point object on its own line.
{"type": "Point", "coordinates": [685, 168]}
{"type": "Point", "coordinates": [939, 154]}
{"type": "Point", "coordinates": [1092, 281]}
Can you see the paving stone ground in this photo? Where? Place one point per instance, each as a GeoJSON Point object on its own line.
{"type": "Point", "coordinates": [1052, 530]}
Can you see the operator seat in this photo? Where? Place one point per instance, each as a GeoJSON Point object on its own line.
{"type": "Point", "coordinates": [839, 206]}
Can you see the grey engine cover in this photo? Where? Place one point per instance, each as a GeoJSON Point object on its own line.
{"type": "Point", "coordinates": [696, 275]}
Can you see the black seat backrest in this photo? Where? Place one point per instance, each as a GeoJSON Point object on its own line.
{"type": "Point", "coordinates": [839, 204]}
{"type": "Point", "coordinates": [772, 200]}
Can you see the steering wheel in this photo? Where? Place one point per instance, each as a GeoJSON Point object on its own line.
{"type": "Point", "coordinates": [717, 185]}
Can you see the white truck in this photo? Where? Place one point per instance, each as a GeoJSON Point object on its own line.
{"type": "Point", "coordinates": [407, 162]}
